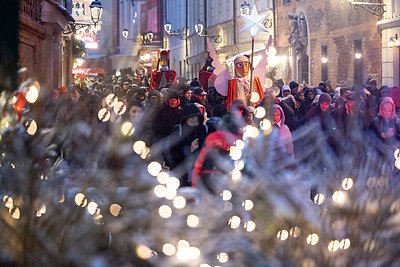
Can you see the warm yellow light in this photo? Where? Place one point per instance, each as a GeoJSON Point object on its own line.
{"type": "Point", "coordinates": [127, 128]}
{"type": "Point", "coordinates": [162, 177]}
{"type": "Point", "coordinates": [265, 125]}
{"type": "Point", "coordinates": [345, 243]}
{"type": "Point", "coordinates": [143, 252]}
{"type": "Point", "coordinates": [235, 222]}
{"type": "Point", "coordinates": [235, 153]}
{"type": "Point", "coordinates": [248, 204]}
{"type": "Point", "coordinates": [397, 154]}
{"type": "Point", "coordinates": [239, 165]}
{"type": "Point", "coordinates": [16, 214]}
{"type": "Point", "coordinates": [32, 94]}
{"type": "Point", "coordinates": [236, 175]}
{"type": "Point", "coordinates": [334, 245]}
{"type": "Point", "coordinates": [154, 168]}
{"type": "Point", "coordinates": [282, 235]}
{"type": "Point", "coordinates": [397, 163]}
{"type": "Point", "coordinates": [339, 197]}
{"type": "Point", "coordinates": [98, 219]}
{"type": "Point", "coordinates": [240, 144]}
{"type": "Point", "coordinates": [104, 115]}
{"type": "Point", "coordinates": [250, 131]}
{"type": "Point", "coordinates": [324, 60]}
{"type": "Point", "coordinates": [170, 193]}
{"type": "Point", "coordinates": [31, 127]}
{"type": "Point", "coordinates": [250, 226]}
{"type": "Point", "coordinates": [165, 211]}
{"type": "Point", "coordinates": [169, 249]}
{"type": "Point", "coordinates": [173, 183]}
{"type": "Point", "coordinates": [111, 100]}
{"type": "Point", "coordinates": [10, 203]}
{"type": "Point", "coordinates": [183, 244]}
{"type": "Point", "coordinates": [357, 55]}
{"type": "Point", "coordinates": [205, 265]}
{"type": "Point", "coordinates": [347, 183]}
{"type": "Point", "coordinates": [115, 209]}
{"type": "Point", "coordinates": [183, 254]}
{"type": "Point", "coordinates": [255, 97]}
{"type": "Point", "coordinates": [226, 195]}
{"type": "Point", "coordinates": [139, 146]}
{"type": "Point", "coordinates": [192, 221]}
{"type": "Point", "coordinates": [120, 108]}
{"type": "Point", "coordinates": [319, 199]}
{"type": "Point", "coordinates": [312, 239]}
{"type": "Point", "coordinates": [179, 202]}
{"type": "Point", "coordinates": [93, 208]}
{"type": "Point", "coordinates": [81, 200]}
{"type": "Point", "coordinates": [223, 257]}
{"type": "Point", "coordinates": [295, 232]}
{"type": "Point", "coordinates": [160, 191]}
{"type": "Point", "coordinates": [260, 112]}
{"type": "Point", "coordinates": [273, 61]}
{"type": "Point", "coordinates": [194, 253]}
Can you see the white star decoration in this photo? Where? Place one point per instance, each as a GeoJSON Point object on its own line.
{"type": "Point", "coordinates": [254, 22]}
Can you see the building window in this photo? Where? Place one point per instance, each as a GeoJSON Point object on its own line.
{"type": "Point", "coordinates": [286, 2]}
{"type": "Point", "coordinates": [303, 69]}
{"type": "Point", "coordinates": [324, 63]}
{"type": "Point", "coordinates": [358, 62]}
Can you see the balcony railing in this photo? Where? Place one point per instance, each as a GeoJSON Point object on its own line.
{"type": "Point", "coordinates": [157, 39]}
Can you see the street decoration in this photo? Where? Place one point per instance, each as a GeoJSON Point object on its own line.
{"type": "Point", "coordinates": [162, 74]}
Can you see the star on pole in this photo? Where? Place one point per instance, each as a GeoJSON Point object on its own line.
{"type": "Point", "coordinates": [254, 22]}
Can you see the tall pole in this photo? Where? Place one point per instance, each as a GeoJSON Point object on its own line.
{"type": "Point", "coordinates": [251, 68]}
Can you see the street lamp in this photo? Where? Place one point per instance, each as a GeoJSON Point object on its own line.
{"type": "Point", "coordinates": [125, 33]}
{"type": "Point", "coordinates": [199, 27]}
{"type": "Point", "coordinates": [393, 41]}
{"type": "Point", "coordinates": [168, 27]}
{"type": "Point", "coordinates": [181, 33]}
{"type": "Point", "coordinates": [96, 10]}
{"type": "Point", "coordinates": [374, 8]}
{"type": "Point", "coordinates": [150, 36]}
{"type": "Point", "coordinates": [245, 8]}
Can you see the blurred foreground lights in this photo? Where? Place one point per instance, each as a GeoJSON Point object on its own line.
{"type": "Point", "coordinates": [255, 97]}
{"type": "Point", "coordinates": [165, 211]}
{"type": "Point", "coordinates": [250, 131]}
{"type": "Point", "coordinates": [104, 115]}
{"type": "Point", "coordinates": [248, 204]}
{"type": "Point", "coordinates": [236, 175]}
{"type": "Point", "coordinates": [234, 222]}
{"type": "Point", "coordinates": [173, 183]}
{"type": "Point", "coordinates": [192, 221]}
{"type": "Point", "coordinates": [32, 94]}
{"type": "Point", "coordinates": [239, 165]}
{"type": "Point", "coordinates": [111, 100]}
{"type": "Point", "coordinates": [228, 206]}
{"type": "Point", "coordinates": [282, 235]}
{"type": "Point", "coordinates": [81, 200]}
{"type": "Point", "coordinates": [347, 183]}
{"type": "Point", "coordinates": [139, 146]}
{"type": "Point", "coordinates": [62, 199]}
{"type": "Point", "coordinates": [250, 226]}
{"type": "Point", "coordinates": [15, 213]}
{"type": "Point", "coordinates": [93, 208]}
{"type": "Point", "coordinates": [223, 257]}
{"type": "Point", "coordinates": [397, 154]}
{"type": "Point", "coordinates": [31, 127]}
{"type": "Point", "coordinates": [312, 239]}
{"type": "Point", "coordinates": [397, 164]}
{"type": "Point", "coordinates": [162, 177]}
{"type": "Point", "coordinates": [345, 243]}
{"type": "Point", "coordinates": [98, 219]}
{"type": "Point", "coordinates": [160, 191]}
{"type": "Point", "coordinates": [295, 232]}
{"type": "Point", "coordinates": [127, 128]}
{"type": "Point", "coordinates": [194, 253]}
{"type": "Point", "coordinates": [240, 144]}
{"type": "Point", "coordinates": [339, 197]}
{"type": "Point", "coordinates": [9, 202]}
{"type": "Point", "coordinates": [319, 199]}
{"type": "Point", "coordinates": [170, 193]}
{"type": "Point", "coordinates": [260, 112]}
{"type": "Point", "coordinates": [334, 246]}
{"type": "Point", "coordinates": [115, 209]}
{"type": "Point", "coordinates": [235, 153]}
{"type": "Point", "coordinates": [120, 108]}
{"type": "Point", "coordinates": [143, 252]}
{"type": "Point", "coordinates": [205, 265]}
{"type": "Point", "coordinates": [154, 168]}
{"type": "Point", "coordinates": [169, 249]}
{"type": "Point", "coordinates": [226, 195]}
{"type": "Point", "coordinates": [41, 210]}
{"type": "Point", "coordinates": [183, 244]}
{"type": "Point", "coordinates": [179, 202]}
{"type": "Point", "coordinates": [265, 125]}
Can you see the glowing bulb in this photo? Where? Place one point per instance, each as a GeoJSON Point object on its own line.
{"type": "Point", "coordinates": [273, 61]}
{"type": "Point", "coordinates": [115, 209]}
{"type": "Point", "coordinates": [194, 253]}
{"type": "Point", "coordinates": [295, 232]}
{"type": "Point", "coordinates": [160, 191]}
{"type": "Point", "coordinates": [283, 235]}
{"type": "Point", "coordinates": [205, 265]}
{"type": "Point", "coordinates": [312, 239]}
{"type": "Point", "coordinates": [248, 204]}
{"type": "Point", "coordinates": [5, 198]}
{"type": "Point", "coordinates": [173, 182]}
{"type": "Point", "coordinates": [183, 244]}
{"type": "Point", "coordinates": [255, 97]}
{"type": "Point", "coordinates": [31, 127]}
{"type": "Point", "coordinates": [93, 208]}
{"type": "Point", "coordinates": [226, 195]}
{"type": "Point", "coordinates": [111, 100]}
{"type": "Point", "coordinates": [143, 252]}
{"type": "Point", "coordinates": [183, 254]}
{"type": "Point", "coordinates": [170, 193]}
{"type": "Point", "coordinates": [345, 243]}
{"type": "Point", "coordinates": [260, 112]}
{"type": "Point", "coordinates": [98, 219]}
{"type": "Point", "coordinates": [179, 202]}
{"type": "Point", "coordinates": [104, 115]}
{"type": "Point", "coordinates": [250, 131]}
{"type": "Point", "coordinates": [240, 144]}
{"type": "Point", "coordinates": [162, 177]}
{"type": "Point", "coordinates": [397, 163]}
{"type": "Point", "coordinates": [10, 203]}
{"type": "Point", "coordinates": [250, 226]}
{"type": "Point", "coordinates": [169, 249]}
{"type": "Point", "coordinates": [235, 153]}
{"type": "Point", "coordinates": [81, 200]}
{"type": "Point", "coordinates": [347, 183]}
{"type": "Point", "coordinates": [165, 211]}
{"type": "Point", "coordinates": [223, 257]}
{"type": "Point", "coordinates": [228, 206]}
{"type": "Point", "coordinates": [16, 214]}
{"type": "Point", "coordinates": [127, 128]}
{"type": "Point", "coordinates": [334, 245]}
{"type": "Point", "coordinates": [192, 221]}
{"type": "Point", "coordinates": [339, 197]}
{"type": "Point", "coordinates": [271, 51]}
{"type": "Point", "coordinates": [236, 175]}
{"type": "Point", "coordinates": [265, 125]}
{"type": "Point", "coordinates": [32, 94]}
{"type": "Point", "coordinates": [239, 165]}
{"type": "Point", "coordinates": [139, 146]}
{"type": "Point", "coordinates": [120, 108]}
{"type": "Point", "coordinates": [154, 168]}
{"type": "Point", "coordinates": [234, 222]}
{"type": "Point", "coordinates": [397, 154]}
{"type": "Point", "coordinates": [319, 199]}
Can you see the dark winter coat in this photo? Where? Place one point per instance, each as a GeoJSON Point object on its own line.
{"type": "Point", "coordinates": [165, 121]}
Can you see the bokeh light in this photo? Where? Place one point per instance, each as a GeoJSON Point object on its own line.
{"type": "Point", "coordinates": [143, 252]}
{"type": "Point", "coordinates": [169, 249]}
{"type": "Point", "coordinates": [162, 177]}
{"type": "Point", "coordinates": [312, 239]}
{"type": "Point", "coordinates": [127, 128]}
{"type": "Point", "coordinates": [179, 202]}
{"type": "Point", "coordinates": [333, 246]}
{"type": "Point", "coordinates": [81, 200]}
{"type": "Point", "coordinates": [104, 115]}
{"type": "Point", "coordinates": [339, 197]}
{"type": "Point", "coordinates": [32, 94]}
{"type": "Point", "coordinates": [31, 127]}
{"type": "Point", "coordinates": [165, 211]}
{"type": "Point", "coordinates": [154, 168]}
{"type": "Point", "coordinates": [160, 191]}
{"type": "Point", "coordinates": [347, 183]}
{"type": "Point", "coordinates": [260, 112]}
{"type": "Point", "coordinates": [282, 235]}
{"type": "Point", "coordinates": [223, 257]}
{"type": "Point", "coordinates": [139, 146]}
{"type": "Point", "coordinates": [115, 209]}
{"type": "Point", "coordinates": [250, 226]}
{"type": "Point", "coordinates": [226, 195]}
{"type": "Point", "coordinates": [192, 221]}
{"type": "Point", "coordinates": [319, 199]}
{"type": "Point", "coordinates": [235, 222]}
{"type": "Point", "coordinates": [248, 204]}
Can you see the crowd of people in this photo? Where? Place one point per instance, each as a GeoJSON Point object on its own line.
{"type": "Point", "coordinates": [195, 128]}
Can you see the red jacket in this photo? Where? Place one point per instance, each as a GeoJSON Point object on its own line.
{"type": "Point", "coordinates": [156, 77]}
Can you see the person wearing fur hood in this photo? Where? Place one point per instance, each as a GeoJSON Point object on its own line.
{"type": "Point", "coordinates": [281, 132]}
{"type": "Point", "coordinates": [386, 124]}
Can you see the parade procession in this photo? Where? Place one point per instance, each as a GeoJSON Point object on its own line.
{"type": "Point", "coordinates": [200, 133]}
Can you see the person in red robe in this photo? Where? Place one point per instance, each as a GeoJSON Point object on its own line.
{"type": "Point", "coordinates": [206, 72]}
{"type": "Point", "coordinates": [163, 74]}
